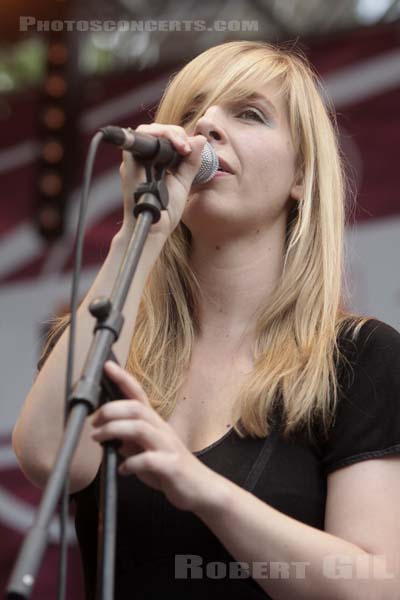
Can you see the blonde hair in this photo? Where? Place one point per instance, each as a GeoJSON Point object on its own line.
{"type": "Point", "coordinates": [296, 351]}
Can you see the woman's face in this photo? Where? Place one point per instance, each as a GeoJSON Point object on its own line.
{"type": "Point", "coordinates": [254, 139]}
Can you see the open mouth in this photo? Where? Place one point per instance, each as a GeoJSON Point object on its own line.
{"type": "Point", "coordinates": [223, 166]}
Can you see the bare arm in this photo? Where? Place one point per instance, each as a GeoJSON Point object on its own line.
{"type": "Point", "coordinates": [355, 558]}
{"type": "Point", "coordinates": [38, 431]}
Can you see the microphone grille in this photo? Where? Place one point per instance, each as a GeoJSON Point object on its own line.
{"type": "Point", "coordinates": [208, 165]}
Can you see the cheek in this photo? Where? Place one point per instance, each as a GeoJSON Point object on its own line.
{"type": "Point", "coordinates": [271, 162]}
{"type": "Point", "coordinates": [269, 177]}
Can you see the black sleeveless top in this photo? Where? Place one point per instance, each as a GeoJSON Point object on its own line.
{"type": "Point", "coordinates": [166, 552]}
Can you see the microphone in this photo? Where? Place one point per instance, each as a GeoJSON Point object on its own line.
{"type": "Point", "coordinates": [144, 147]}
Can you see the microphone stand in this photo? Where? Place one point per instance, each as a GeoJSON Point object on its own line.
{"type": "Point", "coordinates": [92, 388]}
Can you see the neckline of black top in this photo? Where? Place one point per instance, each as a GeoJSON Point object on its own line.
{"type": "Point", "coordinates": [214, 444]}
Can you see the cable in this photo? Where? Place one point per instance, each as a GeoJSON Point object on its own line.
{"type": "Point", "coordinates": [80, 236]}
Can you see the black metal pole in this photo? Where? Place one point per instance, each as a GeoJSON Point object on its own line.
{"type": "Point", "coordinates": [31, 553]}
{"type": "Point", "coordinates": [151, 198]}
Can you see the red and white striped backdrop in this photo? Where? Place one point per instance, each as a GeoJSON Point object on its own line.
{"type": "Point", "coordinates": [361, 71]}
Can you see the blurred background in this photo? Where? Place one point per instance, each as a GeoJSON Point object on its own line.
{"type": "Point", "coordinates": [67, 69]}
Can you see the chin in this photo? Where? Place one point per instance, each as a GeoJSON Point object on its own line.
{"type": "Point", "coordinates": [206, 203]}
{"type": "Point", "coordinates": [200, 197]}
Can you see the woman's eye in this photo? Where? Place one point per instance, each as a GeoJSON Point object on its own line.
{"type": "Point", "coordinates": [253, 114]}
{"type": "Point", "coordinates": [188, 116]}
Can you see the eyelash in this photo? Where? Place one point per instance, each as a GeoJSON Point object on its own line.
{"type": "Point", "coordinates": [188, 116]}
{"type": "Point", "coordinates": [255, 112]}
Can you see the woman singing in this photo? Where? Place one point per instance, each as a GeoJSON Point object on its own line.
{"type": "Point", "coordinates": [259, 420]}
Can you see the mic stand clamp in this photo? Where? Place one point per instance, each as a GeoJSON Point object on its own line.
{"type": "Point", "coordinates": [153, 190]}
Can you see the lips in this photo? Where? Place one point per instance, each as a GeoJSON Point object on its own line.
{"type": "Point", "coordinates": [223, 165]}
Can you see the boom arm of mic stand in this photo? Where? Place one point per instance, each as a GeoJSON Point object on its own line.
{"type": "Point", "coordinates": [84, 400]}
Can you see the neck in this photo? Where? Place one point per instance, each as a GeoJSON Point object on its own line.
{"type": "Point", "coordinates": [236, 276]}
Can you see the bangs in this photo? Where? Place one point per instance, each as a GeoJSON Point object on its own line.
{"type": "Point", "coordinates": [224, 76]}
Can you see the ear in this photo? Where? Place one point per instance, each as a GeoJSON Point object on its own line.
{"type": "Point", "coordinates": [297, 189]}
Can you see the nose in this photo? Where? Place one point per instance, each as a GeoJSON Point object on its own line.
{"type": "Point", "coordinates": [210, 126]}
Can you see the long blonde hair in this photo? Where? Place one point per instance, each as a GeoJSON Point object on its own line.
{"type": "Point", "coordinates": [296, 351]}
